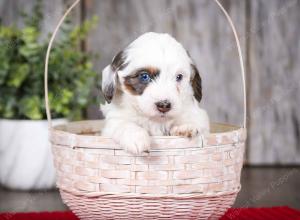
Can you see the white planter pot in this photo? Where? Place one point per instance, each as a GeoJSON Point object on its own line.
{"type": "Point", "coordinates": [25, 154]}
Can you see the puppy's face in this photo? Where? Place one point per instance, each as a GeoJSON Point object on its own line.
{"type": "Point", "coordinates": [155, 75]}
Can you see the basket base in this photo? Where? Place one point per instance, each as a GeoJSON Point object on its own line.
{"type": "Point", "coordinates": [122, 207]}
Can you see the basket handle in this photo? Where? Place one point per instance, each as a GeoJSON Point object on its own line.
{"type": "Point", "coordinates": [77, 1]}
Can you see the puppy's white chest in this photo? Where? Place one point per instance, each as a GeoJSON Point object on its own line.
{"type": "Point", "coordinates": [157, 128]}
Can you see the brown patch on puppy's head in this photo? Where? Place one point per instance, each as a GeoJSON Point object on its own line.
{"type": "Point", "coordinates": [196, 83]}
{"type": "Point", "coordinates": [135, 85]}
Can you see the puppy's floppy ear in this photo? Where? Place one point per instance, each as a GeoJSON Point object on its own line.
{"type": "Point", "coordinates": [109, 75]}
{"type": "Point", "coordinates": [196, 83]}
{"type": "Point", "coordinates": [108, 83]}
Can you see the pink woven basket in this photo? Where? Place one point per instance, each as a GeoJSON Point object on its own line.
{"type": "Point", "coordinates": [176, 179]}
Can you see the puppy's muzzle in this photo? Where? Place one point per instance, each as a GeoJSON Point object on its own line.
{"type": "Point", "coordinates": [163, 106]}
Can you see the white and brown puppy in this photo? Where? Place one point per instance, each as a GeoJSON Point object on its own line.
{"type": "Point", "coordinates": [152, 87]}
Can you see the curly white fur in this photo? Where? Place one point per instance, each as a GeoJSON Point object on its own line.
{"type": "Point", "coordinates": [132, 115]}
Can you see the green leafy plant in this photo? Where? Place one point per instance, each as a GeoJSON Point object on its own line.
{"type": "Point", "coordinates": [71, 74]}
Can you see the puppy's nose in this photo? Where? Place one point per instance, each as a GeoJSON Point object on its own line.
{"type": "Point", "coordinates": [163, 106]}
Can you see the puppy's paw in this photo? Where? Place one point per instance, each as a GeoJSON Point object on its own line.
{"type": "Point", "coordinates": [136, 142]}
{"type": "Point", "coordinates": [186, 130]}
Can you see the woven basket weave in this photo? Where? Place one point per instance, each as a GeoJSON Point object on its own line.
{"type": "Point", "coordinates": [178, 178]}
{"type": "Point", "coordinates": [98, 180]}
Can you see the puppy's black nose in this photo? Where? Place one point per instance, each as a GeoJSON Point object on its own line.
{"type": "Point", "coordinates": [163, 106]}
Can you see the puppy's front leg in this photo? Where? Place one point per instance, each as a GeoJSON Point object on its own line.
{"type": "Point", "coordinates": [192, 123]}
{"type": "Point", "coordinates": [186, 130]}
{"type": "Point", "coordinates": [130, 136]}
{"type": "Point", "coordinates": [134, 139]}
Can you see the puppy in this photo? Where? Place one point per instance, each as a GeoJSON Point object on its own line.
{"type": "Point", "coordinates": [152, 87]}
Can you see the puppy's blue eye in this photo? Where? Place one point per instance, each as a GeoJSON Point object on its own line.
{"type": "Point", "coordinates": [144, 77]}
{"type": "Point", "coordinates": [179, 77]}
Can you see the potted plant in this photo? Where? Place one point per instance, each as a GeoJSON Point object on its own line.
{"type": "Point", "coordinates": [25, 155]}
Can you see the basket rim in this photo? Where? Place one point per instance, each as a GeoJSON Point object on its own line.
{"type": "Point", "coordinates": [69, 135]}
{"type": "Point", "coordinates": [151, 196]}
{"type": "Point", "coordinates": [61, 128]}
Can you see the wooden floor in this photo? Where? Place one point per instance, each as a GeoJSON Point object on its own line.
{"type": "Point", "coordinates": [261, 187]}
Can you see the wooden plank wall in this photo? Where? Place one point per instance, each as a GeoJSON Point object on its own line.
{"type": "Point", "coordinates": [268, 32]}
{"type": "Point", "coordinates": [274, 54]}
{"type": "Point", "coordinates": [10, 12]}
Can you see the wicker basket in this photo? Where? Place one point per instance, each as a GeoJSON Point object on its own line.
{"type": "Point", "coordinates": [177, 179]}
